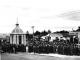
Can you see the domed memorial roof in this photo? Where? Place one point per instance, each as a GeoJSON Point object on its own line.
{"type": "Point", "coordinates": [17, 30]}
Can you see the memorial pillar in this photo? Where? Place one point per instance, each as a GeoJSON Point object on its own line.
{"type": "Point", "coordinates": [14, 39]}
{"type": "Point", "coordinates": [22, 39]}
{"type": "Point", "coordinates": [17, 39]}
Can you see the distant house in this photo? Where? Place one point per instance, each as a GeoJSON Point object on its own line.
{"type": "Point", "coordinates": [43, 37]}
{"type": "Point", "coordinates": [4, 37]}
{"type": "Point", "coordinates": [54, 35]}
{"type": "Point", "coordinates": [75, 33]}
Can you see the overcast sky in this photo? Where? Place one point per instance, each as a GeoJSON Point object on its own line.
{"type": "Point", "coordinates": [43, 14]}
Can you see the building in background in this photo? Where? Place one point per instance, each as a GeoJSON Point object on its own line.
{"type": "Point", "coordinates": [54, 35]}
{"type": "Point", "coordinates": [75, 33]}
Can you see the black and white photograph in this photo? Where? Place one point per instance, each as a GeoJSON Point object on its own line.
{"type": "Point", "coordinates": [39, 29]}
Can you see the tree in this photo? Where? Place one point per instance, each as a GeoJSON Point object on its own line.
{"type": "Point", "coordinates": [27, 32]}
{"type": "Point", "coordinates": [63, 31]}
{"type": "Point", "coordinates": [37, 33]}
{"type": "Point", "coordinates": [49, 31]}
{"type": "Point", "coordinates": [78, 29]}
{"type": "Point", "coordinates": [43, 33]}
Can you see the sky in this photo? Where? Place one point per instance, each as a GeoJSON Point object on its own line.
{"type": "Point", "coordinates": [55, 15]}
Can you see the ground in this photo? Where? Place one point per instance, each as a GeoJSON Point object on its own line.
{"type": "Point", "coordinates": [26, 56]}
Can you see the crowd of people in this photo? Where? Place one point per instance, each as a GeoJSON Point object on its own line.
{"type": "Point", "coordinates": [37, 45]}
{"type": "Point", "coordinates": [12, 48]}
{"type": "Point", "coordinates": [65, 47]}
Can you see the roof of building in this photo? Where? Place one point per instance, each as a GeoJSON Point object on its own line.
{"type": "Point", "coordinates": [56, 35]}
{"type": "Point", "coordinates": [17, 30]}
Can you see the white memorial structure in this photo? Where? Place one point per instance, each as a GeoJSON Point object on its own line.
{"type": "Point", "coordinates": [17, 36]}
